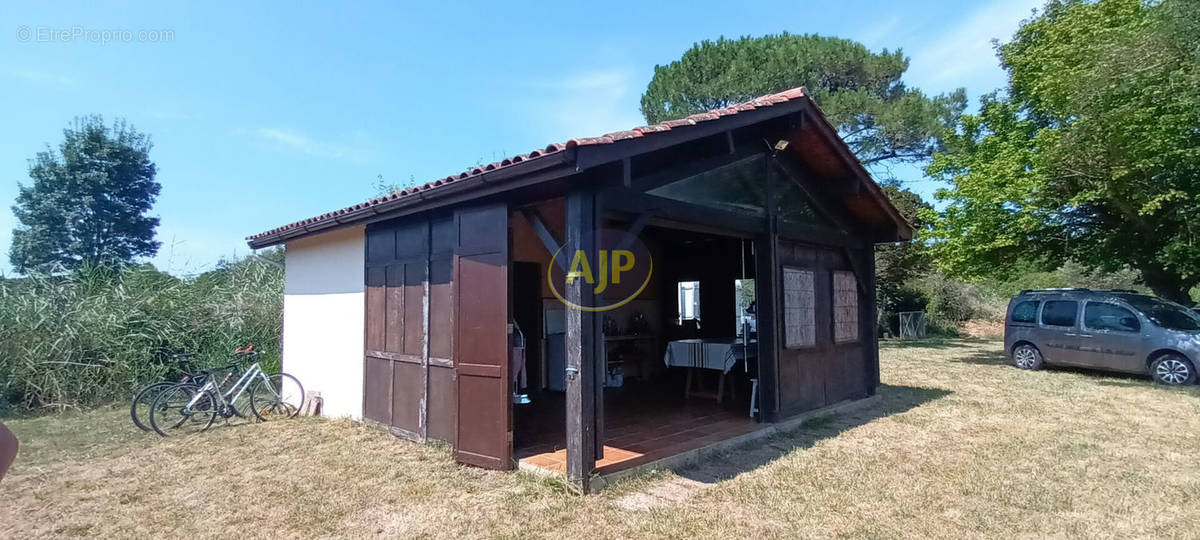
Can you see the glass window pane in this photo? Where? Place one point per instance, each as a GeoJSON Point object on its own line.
{"type": "Point", "coordinates": [745, 309]}
{"type": "Point", "coordinates": [1025, 312]}
{"type": "Point", "coordinates": [1097, 316]}
{"type": "Point", "coordinates": [689, 301]}
{"type": "Point", "coordinates": [737, 187]}
{"type": "Point", "coordinates": [792, 203]}
{"type": "Point", "coordinates": [1060, 312]}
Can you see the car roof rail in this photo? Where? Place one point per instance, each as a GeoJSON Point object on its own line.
{"type": "Point", "coordinates": [1056, 290]}
{"type": "Point", "coordinates": [1130, 291]}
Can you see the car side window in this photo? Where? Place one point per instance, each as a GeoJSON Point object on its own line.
{"type": "Point", "coordinates": [1026, 312]}
{"type": "Point", "coordinates": [1060, 313]}
{"type": "Point", "coordinates": [1103, 316]}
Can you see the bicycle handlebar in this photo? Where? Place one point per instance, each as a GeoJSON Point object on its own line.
{"type": "Point", "coordinates": [248, 350]}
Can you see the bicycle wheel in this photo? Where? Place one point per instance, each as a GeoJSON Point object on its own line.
{"type": "Point", "coordinates": [276, 396]}
{"type": "Point", "coordinates": [240, 406]}
{"type": "Point", "coordinates": [183, 409]}
{"type": "Point", "coordinates": [139, 410]}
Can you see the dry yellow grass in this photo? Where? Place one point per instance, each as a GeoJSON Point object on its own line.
{"type": "Point", "coordinates": [959, 444]}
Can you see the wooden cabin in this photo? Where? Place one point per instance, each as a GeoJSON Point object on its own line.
{"type": "Point", "coordinates": [449, 312]}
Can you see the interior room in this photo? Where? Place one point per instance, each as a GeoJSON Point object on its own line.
{"type": "Point", "coordinates": [680, 358]}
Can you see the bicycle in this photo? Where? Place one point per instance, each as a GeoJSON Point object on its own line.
{"type": "Point", "coordinates": [145, 397]}
{"type": "Point", "coordinates": [188, 407]}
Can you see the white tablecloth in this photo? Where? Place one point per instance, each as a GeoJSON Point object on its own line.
{"type": "Point", "coordinates": [717, 354]}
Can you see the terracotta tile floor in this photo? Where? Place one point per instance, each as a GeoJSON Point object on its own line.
{"type": "Point", "coordinates": [640, 428]}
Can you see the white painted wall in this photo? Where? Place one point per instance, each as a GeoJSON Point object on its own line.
{"type": "Point", "coordinates": [323, 314]}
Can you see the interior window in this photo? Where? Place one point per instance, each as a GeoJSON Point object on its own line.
{"type": "Point", "coordinates": [799, 308]}
{"type": "Point", "coordinates": [1026, 312]}
{"type": "Point", "coordinates": [743, 291]}
{"type": "Point", "coordinates": [1100, 316]}
{"type": "Point", "coordinates": [845, 307]}
{"type": "Point", "coordinates": [1060, 312]}
{"type": "Point", "coordinates": [792, 204]}
{"type": "Point", "coordinates": [737, 187]}
{"type": "Point", "coordinates": [689, 301]}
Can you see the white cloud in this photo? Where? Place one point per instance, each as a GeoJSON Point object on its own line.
{"type": "Point", "coordinates": [300, 142]}
{"type": "Point", "coordinates": [588, 103]}
{"type": "Point", "coordinates": [965, 53]}
{"type": "Point", "coordinates": [882, 33]}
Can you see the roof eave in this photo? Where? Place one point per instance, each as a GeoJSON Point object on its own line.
{"type": "Point", "coordinates": [424, 200]}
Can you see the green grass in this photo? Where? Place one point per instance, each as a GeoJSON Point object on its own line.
{"type": "Point", "coordinates": [959, 444]}
{"type": "Point", "coordinates": [93, 337]}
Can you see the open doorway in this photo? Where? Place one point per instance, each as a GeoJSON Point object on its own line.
{"type": "Point", "coordinates": [680, 358]}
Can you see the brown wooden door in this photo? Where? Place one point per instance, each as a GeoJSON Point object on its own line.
{"type": "Point", "coordinates": [484, 436]}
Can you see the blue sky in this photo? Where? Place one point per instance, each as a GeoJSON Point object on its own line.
{"type": "Point", "coordinates": [266, 113]}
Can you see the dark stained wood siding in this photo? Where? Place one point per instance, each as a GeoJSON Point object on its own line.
{"type": "Point", "coordinates": [441, 401]}
{"type": "Point", "coordinates": [827, 373]}
{"type": "Point", "coordinates": [408, 287]}
{"type": "Point", "coordinates": [377, 392]}
{"type": "Point", "coordinates": [481, 349]}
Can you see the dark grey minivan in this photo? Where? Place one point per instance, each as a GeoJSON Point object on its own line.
{"type": "Point", "coordinates": [1115, 330]}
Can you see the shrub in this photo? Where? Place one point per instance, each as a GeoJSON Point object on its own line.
{"type": "Point", "coordinates": [952, 303]}
{"type": "Point", "coordinates": [96, 335]}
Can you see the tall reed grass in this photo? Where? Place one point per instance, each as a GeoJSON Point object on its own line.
{"type": "Point", "coordinates": [94, 336]}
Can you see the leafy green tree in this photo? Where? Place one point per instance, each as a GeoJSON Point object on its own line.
{"type": "Point", "coordinates": [900, 262]}
{"type": "Point", "coordinates": [88, 201]}
{"type": "Point", "coordinates": [861, 93]}
{"type": "Point", "coordinates": [898, 265]}
{"type": "Point", "coordinates": [1093, 153]}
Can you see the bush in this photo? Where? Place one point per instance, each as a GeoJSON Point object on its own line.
{"type": "Point", "coordinates": [952, 303]}
{"type": "Point", "coordinates": [895, 299]}
{"type": "Point", "coordinates": [94, 336]}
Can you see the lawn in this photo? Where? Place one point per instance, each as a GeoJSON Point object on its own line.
{"type": "Point", "coordinates": [959, 444]}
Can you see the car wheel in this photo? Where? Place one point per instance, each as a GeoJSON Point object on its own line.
{"type": "Point", "coordinates": [1172, 369]}
{"type": "Point", "coordinates": [1026, 356]}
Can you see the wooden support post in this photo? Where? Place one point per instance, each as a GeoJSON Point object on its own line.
{"type": "Point", "coordinates": [769, 310]}
{"type": "Point", "coordinates": [580, 340]}
{"type": "Point", "coordinates": [870, 327]}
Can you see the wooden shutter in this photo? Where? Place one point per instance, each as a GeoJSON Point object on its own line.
{"type": "Point", "coordinates": [481, 348]}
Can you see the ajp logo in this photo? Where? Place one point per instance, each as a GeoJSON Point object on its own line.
{"type": "Point", "coordinates": [614, 266]}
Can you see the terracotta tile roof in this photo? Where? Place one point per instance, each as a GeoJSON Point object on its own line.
{"type": "Point", "coordinates": [551, 149]}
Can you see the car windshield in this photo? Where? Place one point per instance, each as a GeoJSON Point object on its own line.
{"type": "Point", "coordinates": [1168, 315]}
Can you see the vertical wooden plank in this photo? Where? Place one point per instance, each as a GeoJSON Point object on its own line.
{"type": "Point", "coordinates": [581, 366]}
{"type": "Point", "coordinates": [441, 401]}
{"type": "Point", "coordinates": [376, 297]}
{"type": "Point", "coordinates": [393, 340]}
{"type": "Point", "coordinates": [414, 294]}
{"type": "Point", "coordinates": [425, 334]}
{"type": "Point", "coordinates": [594, 340]}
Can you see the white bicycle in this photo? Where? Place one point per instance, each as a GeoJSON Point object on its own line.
{"type": "Point", "coordinates": [190, 408]}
